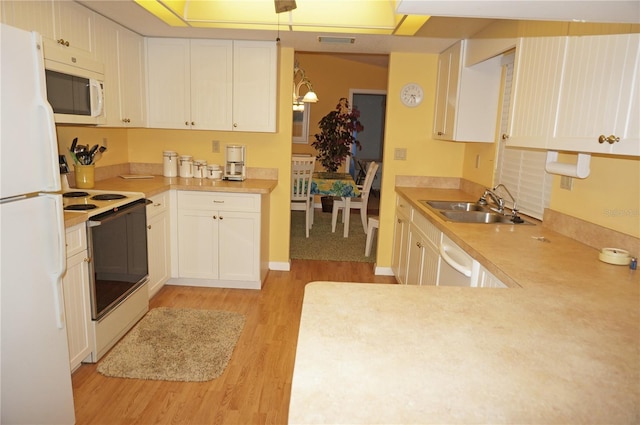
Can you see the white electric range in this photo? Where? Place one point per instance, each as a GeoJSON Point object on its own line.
{"type": "Point", "coordinates": [96, 202]}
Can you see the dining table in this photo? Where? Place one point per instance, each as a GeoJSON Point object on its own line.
{"type": "Point", "coordinates": [336, 184]}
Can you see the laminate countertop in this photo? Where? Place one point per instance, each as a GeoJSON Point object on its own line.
{"type": "Point", "coordinates": [561, 345]}
{"type": "Point", "coordinates": [158, 184]}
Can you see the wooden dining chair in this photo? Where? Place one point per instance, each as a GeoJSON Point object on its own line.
{"type": "Point", "coordinates": [357, 203]}
{"type": "Point", "coordinates": [301, 198]}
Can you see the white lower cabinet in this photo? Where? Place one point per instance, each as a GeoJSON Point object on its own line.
{"type": "Point", "coordinates": [401, 240]}
{"type": "Point", "coordinates": [158, 242]}
{"type": "Point", "coordinates": [222, 239]}
{"type": "Point", "coordinates": [422, 268]}
{"type": "Point", "coordinates": [77, 300]}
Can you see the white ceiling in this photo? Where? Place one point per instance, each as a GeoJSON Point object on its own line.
{"type": "Point", "coordinates": [436, 35]}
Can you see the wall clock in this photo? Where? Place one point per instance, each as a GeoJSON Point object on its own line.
{"type": "Point", "coordinates": [411, 94]}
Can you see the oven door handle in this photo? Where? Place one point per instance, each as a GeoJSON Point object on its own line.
{"type": "Point", "coordinates": [116, 214]}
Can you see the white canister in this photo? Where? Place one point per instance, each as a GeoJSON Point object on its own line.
{"type": "Point", "coordinates": [199, 168]}
{"type": "Point", "coordinates": [170, 163]}
{"type": "Point", "coordinates": [214, 172]}
{"type": "Point", "coordinates": [186, 166]}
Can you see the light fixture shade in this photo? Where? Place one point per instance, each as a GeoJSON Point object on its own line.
{"type": "Point", "coordinates": [310, 97]}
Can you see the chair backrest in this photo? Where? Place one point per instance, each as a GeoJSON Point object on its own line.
{"type": "Point", "coordinates": [368, 180]}
{"type": "Point", "coordinates": [301, 174]}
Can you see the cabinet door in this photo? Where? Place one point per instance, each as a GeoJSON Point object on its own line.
{"type": "Point", "coordinates": [159, 249]}
{"type": "Point", "coordinates": [447, 92]}
{"type": "Point", "coordinates": [486, 279]}
{"type": "Point", "coordinates": [77, 308]}
{"type": "Point", "coordinates": [239, 246]}
{"type": "Point", "coordinates": [254, 85]}
{"type": "Point", "coordinates": [107, 54]}
{"type": "Point", "coordinates": [75, 24]}
{"type": "Point", "coordinates": [133, 105]}
{"type": "Point", "coordinates": [415, 248]}
{"type": "Point", "coordinates": [400, 246]}
{"type": "Point", "coordinates": [598, 95]}
{"type": "Point", "coordinates": [198, 244]}
{"type": "Point", "coordinates": [537, 73]}
{"type": "Point", "coordinates": [211, 84]}
{"type": "Point", "coordinates": [30, 15]}
{"type": "Point", "coordinates": [168, 75]}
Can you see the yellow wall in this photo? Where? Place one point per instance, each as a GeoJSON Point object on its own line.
{"type": "Point", "coordinates": [116, 138]}
{"type": "Point", "coordinates": [410, 129]}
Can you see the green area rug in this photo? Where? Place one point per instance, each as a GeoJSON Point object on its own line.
{"type": "Point", "coordinates": [322, 244]}
{"type": "Point", "coordinates": [171, 344]}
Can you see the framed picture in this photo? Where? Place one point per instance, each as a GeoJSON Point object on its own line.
{"type": "Point", "coordinates": [301, 125]}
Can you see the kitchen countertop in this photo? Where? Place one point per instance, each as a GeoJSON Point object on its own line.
{"type": "Point", "coordinates": [562, 345]}
{"type": "Point", "coordinates": [159, 184]}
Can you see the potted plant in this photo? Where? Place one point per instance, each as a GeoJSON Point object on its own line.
{"type": "Point", "coordinates": [337, 134]}
{"type": "Point", "coordinates": [338, 131]}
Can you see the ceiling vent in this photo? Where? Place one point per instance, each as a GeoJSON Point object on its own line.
{"type": "Point", "coordinates": [337, 40]}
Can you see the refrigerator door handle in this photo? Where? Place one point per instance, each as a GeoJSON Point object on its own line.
{"type": "Point", "coordinates": [47, 117]}
{"type": "Point", "coordinates": [60, 266]}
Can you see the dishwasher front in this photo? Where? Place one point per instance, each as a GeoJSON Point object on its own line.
{"type": "Point", "coordinates": [457, 268]}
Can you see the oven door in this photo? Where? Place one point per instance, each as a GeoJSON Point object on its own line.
{"type": "Point", "coordinates": [117, 242]}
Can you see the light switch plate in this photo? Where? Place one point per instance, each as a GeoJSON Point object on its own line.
{"type": "Point", "coordinates": [400, 154]}
{"type": "Point", "coordinates": [566, 182]}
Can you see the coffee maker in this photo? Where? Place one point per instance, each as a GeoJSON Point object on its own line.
{"type": "Point", "coordinates": [235, 156]}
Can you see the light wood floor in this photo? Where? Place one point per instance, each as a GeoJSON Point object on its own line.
{"type": "Point", "coordinates": [256, 385]}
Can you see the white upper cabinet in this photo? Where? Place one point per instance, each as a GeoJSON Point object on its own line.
{"type": "Point", "coordinates": [122, 53]}
{"type": "Point", "coordinates": [212, 84]}
{"type": "Point", "coordinates": [255, 73]}
{"type": "Point", "coordinates": [599, 96]}
{"type": "Point", "coordinates": [168, 82]}
{"type": "Point", "coordinates": [467, 97]}
{"type": "Point", "coordinates": [536, 83]}
{"type": "Point", "coordinates": [68, 23]}
{"type": "Point", "coordinates": [570, 91]}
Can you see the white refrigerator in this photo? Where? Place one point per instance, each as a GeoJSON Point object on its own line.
{"type": "Point", "coordinates": [35, 376]}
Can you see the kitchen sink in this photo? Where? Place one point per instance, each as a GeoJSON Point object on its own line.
{"type": "Point", "coordinates": [455, 205]}
{"type": "Point", "coordinates": [469, 212]}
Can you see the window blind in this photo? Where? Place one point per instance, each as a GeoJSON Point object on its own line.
{"type": "Point", "coordinates": [521, 170]}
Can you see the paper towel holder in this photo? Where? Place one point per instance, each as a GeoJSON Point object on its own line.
{"type": "Point", "coordinates": [580, 169]}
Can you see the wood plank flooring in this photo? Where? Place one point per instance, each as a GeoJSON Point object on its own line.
{"type": "Point", "coordinates": [254, 388]}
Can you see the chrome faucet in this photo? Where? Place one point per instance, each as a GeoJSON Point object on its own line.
{"type": "Point", "coordinates": [499, 201]}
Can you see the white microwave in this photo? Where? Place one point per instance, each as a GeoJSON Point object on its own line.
{"type": "Point", "coordinates": [75, 87]}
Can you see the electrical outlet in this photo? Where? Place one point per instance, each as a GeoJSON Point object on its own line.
{"type": "Point", "coordinates": [215, 146]}
{"type": "Point", "coordinates": [104, 142]}
{"type": "Point", "coordinates": [566, 182]}
{"type": "Point", "coordinates": [400, 154]}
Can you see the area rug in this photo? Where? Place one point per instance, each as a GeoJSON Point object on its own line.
{"type": "Point", "coordinates": [322, 244]}
{"type": "Point", "coordinates": [171, 344]}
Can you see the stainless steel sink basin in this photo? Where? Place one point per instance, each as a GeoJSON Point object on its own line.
{"type": "Point", "coordinates": [477, 217]}
{"type": "Point", "coordinates": [469, 212]}
{"type": "Point", "coordinates": [454, 205]}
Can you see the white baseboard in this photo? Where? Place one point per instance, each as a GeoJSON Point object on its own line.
{"type": "Point", "coordinates": [383, 271]}
{"type": "Point", "coordinates": [280, 266]}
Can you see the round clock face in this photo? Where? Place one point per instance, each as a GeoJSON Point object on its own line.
{"type": "Point", "coordinates": [411, 94]}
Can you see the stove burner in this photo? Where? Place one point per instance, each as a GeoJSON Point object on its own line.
{"type": "Point", "coordinates": [75, 194]}
{"type": "Point", "coordinates": [108, 197]}
{"type": "Point", "coordinates": [80, 207]}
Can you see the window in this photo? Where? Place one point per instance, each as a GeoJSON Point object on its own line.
{"type": "Point", "coordinates": [301, 125]}
{"type": "Point", "coordinates": [521, 170]}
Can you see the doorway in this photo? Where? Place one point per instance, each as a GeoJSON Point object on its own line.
{"type": "Point", "coordinates": [372, 105]}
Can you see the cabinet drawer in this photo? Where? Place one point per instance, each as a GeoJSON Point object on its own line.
{"type": "Point", "coordinates": [216, 201]}
{"type": "Point", "coordinates": [159, 204]}
{"type": "Point", "coordinates": [76, 239]}
{"type": "Point", "coordinates": [429, 229]}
